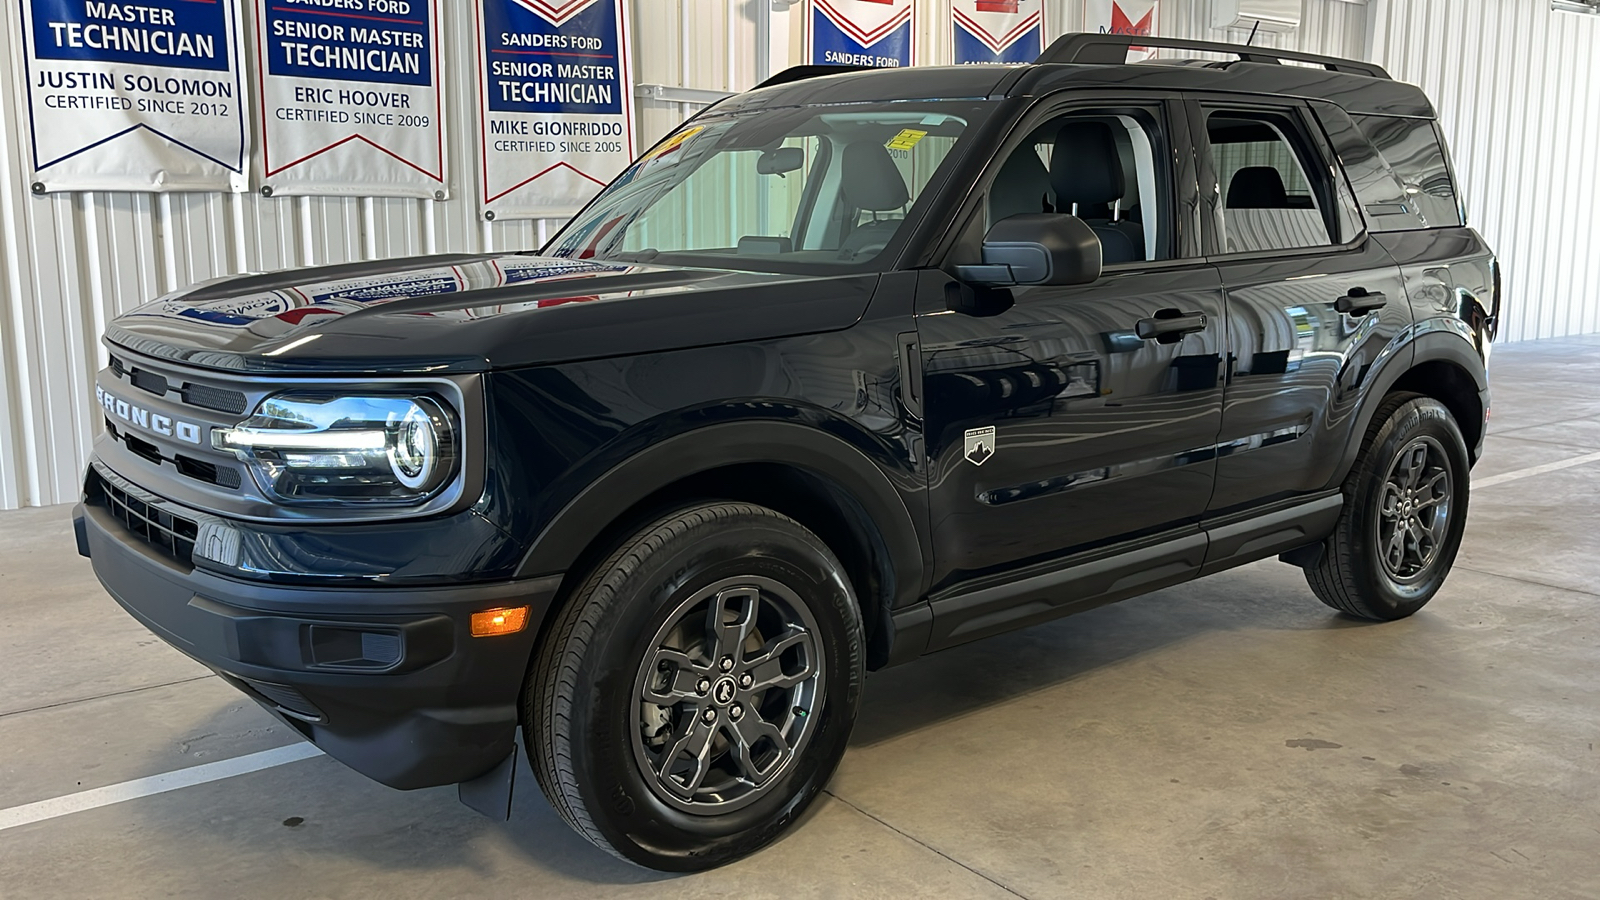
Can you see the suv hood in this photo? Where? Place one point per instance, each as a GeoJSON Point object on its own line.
{"type": "Point", "coordinates": [474, 313]}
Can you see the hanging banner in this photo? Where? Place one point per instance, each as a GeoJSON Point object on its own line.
{"type": "Point", "coordinates": [351, 101]}
{"type": "Point", "coordinates": [996, 31]}
{"type": "Point", "coordinates": [1122, 17]}
{"type": "Point", "coordinates": [880, 33]}
{"type": "Point", "coordinates": [556, 103]}
{"type": "Point", "coordinates": [134, 97]}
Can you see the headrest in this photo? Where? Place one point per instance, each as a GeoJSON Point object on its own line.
{"type": "Point", "coordinates": [870, 179]}
{"type": "Point", "coordinates": [1021, 186]}
{"type": "Point", "coordinates": [1257, 187]}
{"type": "Point", "coordinates": [1085, 166]}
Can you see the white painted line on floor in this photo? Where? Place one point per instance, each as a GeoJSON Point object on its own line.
{"type": "Point", "coordinates": [156, 784]}
{"type": "Point", "coordinates": [1531, 471]}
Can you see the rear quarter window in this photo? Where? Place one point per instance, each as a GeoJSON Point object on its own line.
{"type": "Point", "coordinates": [1413, 149]}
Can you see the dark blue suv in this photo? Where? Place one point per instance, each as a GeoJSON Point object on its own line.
{"type": "Point", "coordinates": [853, 367]}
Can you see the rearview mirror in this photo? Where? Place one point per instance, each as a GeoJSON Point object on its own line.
{"type": "Point", "coordinates": [1037, 248]}
{"type": "Point", "coordinates": [780, 160]}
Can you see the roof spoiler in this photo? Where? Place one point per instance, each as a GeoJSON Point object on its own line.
{"type": "Point", "coordinates": [1112, 50]}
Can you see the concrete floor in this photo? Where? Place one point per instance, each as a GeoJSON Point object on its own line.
{"type": "Point", "coordinates": [1227, 738]}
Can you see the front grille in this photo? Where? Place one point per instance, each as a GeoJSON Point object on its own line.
{"type": "Point", "coordinates": [174, 536]}
{"type": "Point", "coordinates": [150, 382]}
{"type": "Point", "coordinates": [219, 399]}
{"type": "Point", "coordinates": [144, 449]}
{"type": "Point", "coordinates": [200, 470]}
{"type": "Point", "coordinates": [188, 466]}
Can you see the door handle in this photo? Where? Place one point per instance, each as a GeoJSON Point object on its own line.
{"type": "Point", "coordinates": [1360, 301]}
{"type": "Point", "coordinates": [1168, 326]}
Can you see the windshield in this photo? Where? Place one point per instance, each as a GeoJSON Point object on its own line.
{"type": "Point", "coordinates": [788, 190]}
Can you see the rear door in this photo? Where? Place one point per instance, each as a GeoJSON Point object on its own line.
{"type": "Point", "coordinates": [1313, 301]}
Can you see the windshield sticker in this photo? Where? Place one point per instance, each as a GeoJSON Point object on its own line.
{"type": "Point", "coordinates": [906, 139]}
{"type": "Point", "coordinates": [674, 142]}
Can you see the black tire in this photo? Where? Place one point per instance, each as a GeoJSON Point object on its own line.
{"type": "Point", "coordinates": [1379, 565]}
{"type": "Point", "coordinates": [587, 724]}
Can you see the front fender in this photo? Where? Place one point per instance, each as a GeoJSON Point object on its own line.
{"type": "Point", "coordinates": [804, 446]}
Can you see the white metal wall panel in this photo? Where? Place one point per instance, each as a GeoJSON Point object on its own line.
{"type": "Point", "coordinates": [1331, 27]}
{"type": "Point", "coordinates": [70, 262]}
{"type": "Point", "coordinates": [1517, 87]}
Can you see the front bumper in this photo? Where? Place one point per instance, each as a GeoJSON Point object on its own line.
{"type": "Point", "coordinates": [386, 680]}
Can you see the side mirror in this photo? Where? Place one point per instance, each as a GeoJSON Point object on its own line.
{"type": "Point", "coordinates": [1037, 248]}
{"type": "Point", "coordinates": [779, 160]}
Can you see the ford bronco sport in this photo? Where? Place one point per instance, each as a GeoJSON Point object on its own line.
{"type": "Point", "coordinates": [850, 368]}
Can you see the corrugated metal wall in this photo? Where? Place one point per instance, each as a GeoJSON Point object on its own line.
{"type": "Point", "coordinates": [69, 262]}
{"type": "Point", "coordinates": [1331, 27]}
{"type": "Point", "coordinates": [1518, 92]}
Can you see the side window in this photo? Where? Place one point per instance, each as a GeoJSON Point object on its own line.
{"type": "Point", "coordinates": [1413, 149]}
{"type": "Point", "coordinates": [1102, 166]}
{"type": "Point", "coordinates": [1275, 194]}
{"type": "Point", "coordinates": [1381, 197]}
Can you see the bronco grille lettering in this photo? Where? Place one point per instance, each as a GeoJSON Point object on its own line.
{"type": "Point", "coordinates": [133, 414]}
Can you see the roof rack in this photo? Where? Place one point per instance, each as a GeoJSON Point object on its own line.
{"type": "Point", "coordinates": [1112, 50]}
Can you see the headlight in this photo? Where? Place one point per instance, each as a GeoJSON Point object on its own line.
{"type": "Point", "coordinates": [370, 451]}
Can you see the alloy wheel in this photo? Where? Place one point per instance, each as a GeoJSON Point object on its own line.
{"type": "Point", "coordinates": [728, 693]}
{"type": "Point", "coordinates": [1414, 510]}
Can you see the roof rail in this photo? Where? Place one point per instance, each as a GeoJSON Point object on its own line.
{"type": "Point", "coordinates": [1112, 50]}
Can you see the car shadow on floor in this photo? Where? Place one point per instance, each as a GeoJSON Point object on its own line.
{"type": "Point", "coordinates": [1000, 669]}
{"type": "Point", "coordinates": [347, 824]}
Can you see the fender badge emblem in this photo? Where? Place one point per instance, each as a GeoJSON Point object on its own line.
{"type": "Point", "coordinates": [980, 445]}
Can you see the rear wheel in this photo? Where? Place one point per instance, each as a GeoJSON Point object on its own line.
{"type": "Point", "coordinates": [1405, 508]}
{"type": "Point", "coordinates": [697, 692]}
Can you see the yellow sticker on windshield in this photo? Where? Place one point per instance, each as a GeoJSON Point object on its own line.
{"type": "Point", "coordinates": [906, 139]}
{"type": "Point", "coordinates": [674, 142]}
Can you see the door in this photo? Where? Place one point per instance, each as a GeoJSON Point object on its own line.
{"type": "Point", "coordinates": [1313, 302]}
{"type": "Point", "coordinates": [1052, 427]}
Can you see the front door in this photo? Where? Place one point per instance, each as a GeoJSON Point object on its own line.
{"type": "Point", "coordinates": [1052, 427]}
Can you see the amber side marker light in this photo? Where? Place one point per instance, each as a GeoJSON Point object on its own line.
{"type": "Point", "coordinates": [493, 622]}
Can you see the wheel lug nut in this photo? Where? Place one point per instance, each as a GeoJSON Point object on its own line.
{"type": "Point", "coordinates": [702, 686]}
{"type": "Point", "coordinates": [746, 680]}
{"type": "Point", "coordinates": [709, 716]}
{"type": "Point", "coordinates": [736, 712]}
{"type": "Point", "coordinates": [726, 664]}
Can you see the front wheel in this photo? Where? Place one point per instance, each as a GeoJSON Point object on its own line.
{"type": "Point", "coordinates": [1405, 509]}
{"type": "Point", "coordinates": [696, 694]}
